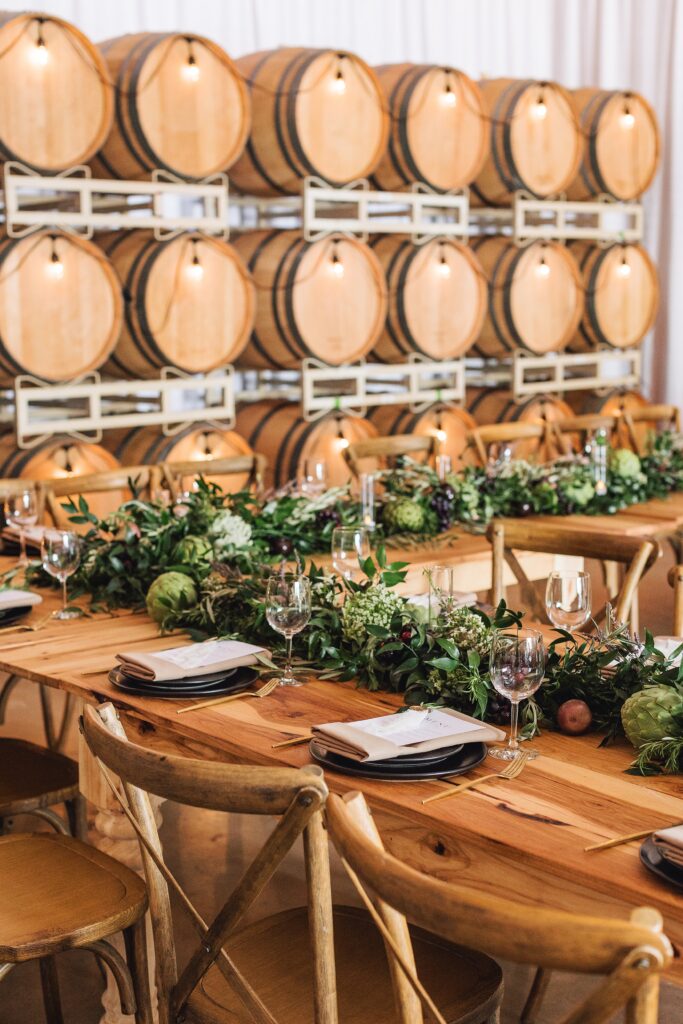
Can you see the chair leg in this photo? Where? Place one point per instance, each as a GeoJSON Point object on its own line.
{"type": "Point", "coordinates": [50, 983]}
{"type": "Point", "coordinates": [78, 819]}
{"type": "Point", "coordinates": [135, 939]}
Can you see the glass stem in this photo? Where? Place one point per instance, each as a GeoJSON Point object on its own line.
{"type": "Point", "coordinates": [513, 743]}
{"type": "Point", "coordinates": [288, 662]}
{"type": "Point", "coordinates": [22, 547]}
{"type": "Point", "coordinates": [63, 593]}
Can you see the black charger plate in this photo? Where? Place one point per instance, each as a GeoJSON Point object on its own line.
{"type": "Point", "coordinates": [467, 757]}
{"type": "Point", "coordinates": [429, 757]}
{"type": "Point", "coordinates": [653, 859]}
{"type": "Point", "coordinates": [10, 615]}
{"type": "Point", "coordinates": [232, 681]}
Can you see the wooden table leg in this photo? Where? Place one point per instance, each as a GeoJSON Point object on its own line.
{"type": "Point", "coordinates": [114, 835]}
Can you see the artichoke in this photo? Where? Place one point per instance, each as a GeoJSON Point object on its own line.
{"type": "Point", "coordinates": [624, 463]}
{"type": "Point", "coordinates": [403, 516]}
{"type": "Point", "coordinates": [168, 594]}
{"type": "Point", "coordinates": [653, 713]}
{"type": "Point", "coordinates": [192, 550]}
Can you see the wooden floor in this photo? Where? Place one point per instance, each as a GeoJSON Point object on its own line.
{"type": "Point", "coordinates": [208, 854]}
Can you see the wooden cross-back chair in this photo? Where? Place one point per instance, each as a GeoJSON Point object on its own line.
{"type": "Point", "coordinates": [675, 578]}
{"type": "Point", "coordinates": [507, 536]}
{"type": "Point", "coordinates": [629, 955]}
{"type": "Point", "coordinates": [500, 435]}
{"type": "Point", "coordinates": [145, 479]}
{"type": "Point", "coordinates": [573, 432]}
{"type": "Point", "coordinates": [382, 448]}
{"type": "Point", "coordinates": [650, 415]}
{"type": "Point", "coordinates": [254, 466]}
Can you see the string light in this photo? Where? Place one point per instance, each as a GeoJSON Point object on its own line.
{"type": "Point", "coordinates": [191, 70]}
{"type": "Point", "coordinates": [337, 266]}
{"type": "Point", "coordinates": [539, 111]}
{"type": "Point", "coordinates": [441, 435]}
{"type": "Point", "coordinates": [448, 97]}
{"type": "Point", "coordinates": [543, 270]}
{"type": "Point", "coordinates": [338, 83]}
{"type": "Point", "coordinates": [342, 441]}
{"type": "Point", "coordinates": [194, 269]}
{"type": "Point", "coordinates": [39, 53]}
{"type": "Point", "coordinates": [55, 267]}
{"type": "Point", "coordinates": [624, 268]}
{"type": "Point", "coordinates": [444, 268]}
{"type": "Point", "coordinates": [627, 120]}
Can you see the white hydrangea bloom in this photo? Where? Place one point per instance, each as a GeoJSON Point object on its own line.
{"type": "Point", "coordinates": [229, 532]}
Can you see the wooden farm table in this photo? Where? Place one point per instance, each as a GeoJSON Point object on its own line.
{"type": "Point", "coordinates": [523, 839]}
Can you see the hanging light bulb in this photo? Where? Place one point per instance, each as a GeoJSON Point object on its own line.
{"type": "Point", "coordinates": [191, 70]}
{"type": "Point", "coordinates": [624, 268]}
{"type": "Point", "coordinates": [627, 120]}
{"type": "Point", "coordinates": [539, 111]}
{"type": "Point", "coordinates": [342, 441]}
{"type": "Point", "coordinates": [194, 268]}
{"type": "Point", "coordinates": [443, 265]}
{"type": "Point", "coordinates": [542, 269]}
{"type": "Point", "coordinates": [441, 435]}
{"type": "Point", "coordinates": [336, 264]}
{"type": "Point", "coordinates": [39, 53]}
{"type": "Point", "coordinates": [55, 267]}
{"type": "Point", "coordinates": [338, 83]}
{"type": "Point", "coordinates": [448, 97]}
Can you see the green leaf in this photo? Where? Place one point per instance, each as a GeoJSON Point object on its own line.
{"type": "Point", "coordinates": [443, 664]}
{"type": "Point", "coordinates": [449, 647]}
{"type": "Point", "coordinates": [381, 556]}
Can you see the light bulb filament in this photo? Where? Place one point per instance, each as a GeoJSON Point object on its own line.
{"type": "Point", "coordinates": [337, 265]}
{"type": "Point", "coordinates": [191, 68]}
{"type": "Point", "coordinates": [624, 268]}
{"type": "Point", "coordinates": [195, 270]}
{"type": "Point", "coordinates": [539, 111]}
{"type": "Point", "coordinates": [543, 270]}
{"type": "Point", "coordinates": [627, 120]}
{"type": "Point", "coordinates": [55, 266]}
{"type": "Point", "coordinates": [39, 53]}
{"type": "Point", "coordinates": [448, 97]}
{"type": "Point", "coordinates": [444, 268]}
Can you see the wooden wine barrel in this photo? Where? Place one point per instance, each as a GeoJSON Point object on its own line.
{"type": "Point", "coordinates": [613, 403]}
{"type": "Point", "coordinates": [60, 457]}
{"type": "Point", "coordinates": [278, 431]}
{"type": "Point", "coordinates": [317, 112]}
{"type": "Point", "coordinates": [189, 303]}
{"type": "Point", "coordinates": [449, 423]}
{"type": "Point", "coordinates": [56, 102]}
{"type": "Point", "coordinates": [61, 307]}
{"type": "Point", "coordinates": [437, 298]}
{"type": "Point", "coordinates": [439, 133]}
{"type": "Point", "coordinates": [324, 299]}
{"type": "Point", "coordinates": [181, 105]}
{"type": "Point", "coordinates": [143, 446]}
{"type": "Point", "coordinates": [622, 145]}
{"type": "Point", "coordinates": [496, 405]}
{"type": "Point", "coordinates": [536, 142]}
{"type": "Point", "coordinates": [535, 297]}
{"type": "Point", "coordinates": [622, 295]}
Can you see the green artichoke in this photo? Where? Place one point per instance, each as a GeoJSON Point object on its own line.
{"type": "Point", "coordinates": [624, 463]}
{"type": "Point", "coordinates": [403, 516]}
{"type": "Point", "coordinates": [192, 550]}
{"type": "Point", "coordinates": [170, 593]}
{"type": "Point", "coordinates": [653, 713]}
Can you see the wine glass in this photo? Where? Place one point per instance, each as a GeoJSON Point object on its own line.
{"type": "Point", "coordinates": [440, 580]}
{"type": "Point", "coordinates": [516, 667]}
{"type": "Point", "coordinates": [22, 509]}
{"type": "Point", "coordinates": [350, 545]}
{"type": "Point", "coordinates": [288, 609]}
{"type": "Point", "coordinates": [61, 553]}
{"type": "Point", "coordinates": [568, 598]}
{"type": "Point", "coordinates": [313, 477]}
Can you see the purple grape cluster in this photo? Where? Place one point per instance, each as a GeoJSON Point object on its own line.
{"type": "Point", "coordinates": [498, 710]}
{"type": "Point", "coordinates": [442, 503]}
{"type": "Point", "coordinates": [327, 515]}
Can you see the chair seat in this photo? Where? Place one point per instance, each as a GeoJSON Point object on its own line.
{"type": "Point", "coordinates": [32, 777]}
{"type": "Point", "coordinates": [57, 893]}
{"type": "Point", "coordinates": [274, 956]}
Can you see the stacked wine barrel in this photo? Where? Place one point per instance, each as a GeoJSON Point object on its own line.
{"type": "Point", "coordinates": [131, 305]}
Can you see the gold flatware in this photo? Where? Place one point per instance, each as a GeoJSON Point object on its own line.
{"type": "Point", "coordinates": [619, 840]}
{"type": "Point", "coordinates": [263, 692]}
{"type": "Point", "coordinates": [28, 627]}
{"type": "Point", "coordinates": [292, 743]}
{"type": "Point", "coordinates": [511, 772]}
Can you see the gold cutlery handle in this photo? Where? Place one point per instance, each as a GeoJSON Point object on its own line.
{"type": "Point", "coordinates": [213, 702]}
{"type": "Point", "coordinates": [459, 788]}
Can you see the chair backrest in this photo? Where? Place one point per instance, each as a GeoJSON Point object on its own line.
{"type": "Point", "coordinates": [629, 954]}
{"type": "Point", "coordinates": [116, 482]}
{"type": "Point", "coordinates": [233, 465]}
{"type": "Point", "coordinates": [573, 431]}
{"type": "Point", "coordinates": [638, 554]}
{"type": "Point", "coordinates": [295, 796]}
{"type": "Point", "coordinates": [675, 578]}
{"type": "Point", "coordinates": [483, 438]}
{"type": "Point", "coordinates": [390, 448]}
{"type": "Point", "coordinates": [652, 415]}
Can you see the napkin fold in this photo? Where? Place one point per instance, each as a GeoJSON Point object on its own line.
{"type": "Point", "coordinates": [193, 660]}
{"type": "Point", "coordinates": [410, 732]}
{"type": "Point", "coordinates": [669, 841]}
{"type": "Point", "coordinates": [33, 535]}
{"type": "Point", "coordinates": [18, 599]}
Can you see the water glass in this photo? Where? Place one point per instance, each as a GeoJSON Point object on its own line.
{"type": "Point", "coordinates": [568, 598]}
{"type": "Point", "coordinates": [313, 479]}
{"type": "Point", "coordinates": [367, 500]}
{"type": "Point", "coordinates": [288, 609]}
{"type": "Point", "coordinates": [444, 465]}
{"type": "Point", "coordinates": [517, 663]}
{"type": "Point", "coordinates": [61, 553]}
{"type": "Point", "coordinates": [22, 509]}
{"type": "Point", "coordinates": [350, 546]}
{"type": "Point", "coordinates": [440, 583]}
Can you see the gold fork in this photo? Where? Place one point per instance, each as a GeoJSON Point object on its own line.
{"type": "Point", "coordinates": [263, 692]}
{"type": "Point", "coordinates": [511, 772]}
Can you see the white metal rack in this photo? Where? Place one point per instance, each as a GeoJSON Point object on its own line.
{"type": "Point", "coordinates": [529, 219]}
{"type": "Point", "coordinates": [75, 201]}
{"type": "Point", "coordinates": [86, 407]}
{"type": "Point", "coordinates": [529, 375]}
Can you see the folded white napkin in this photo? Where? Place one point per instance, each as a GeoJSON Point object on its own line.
{"type": "Point", "coordinates": [190, 661]}
{"type": "Point", "coordinates": [18, 599]}
{"type": "Point", "coordinates": [412, 732]}
{"type": "Point", "coordinates": [670, 842]}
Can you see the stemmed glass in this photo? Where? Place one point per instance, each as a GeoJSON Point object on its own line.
{"type": "Point", "coordinates": [22, 508]}
{"type": "Point", "coordinates": [568, 598]}
{"type": "Point", "coordinates": [516, 666]}
{"type": "Point", "coordinates": [440, 581]}
{"type": "Point", "coordinates": [61, 553]}
{"type": "Point", "coordinates": [288, 609]}
{"type": "Point", "coordinates": [313, 477]}
{"type": "Point", "coordinates": [350, 545]}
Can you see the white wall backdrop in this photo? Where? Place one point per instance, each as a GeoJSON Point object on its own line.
{"type": "Point", "coordinates": [635, 44]}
